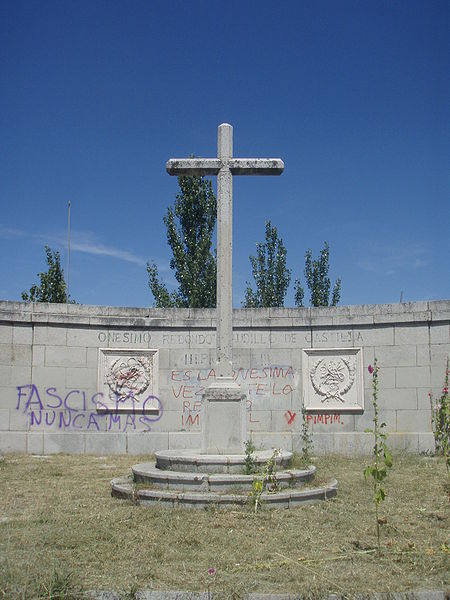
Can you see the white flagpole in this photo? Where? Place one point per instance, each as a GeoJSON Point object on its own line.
{"type": "Point", "coordinates": [68, 253]}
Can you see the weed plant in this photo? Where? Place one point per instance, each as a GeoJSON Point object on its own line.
{"type": "Point", "coordinates": [307, 442]}
{"type": "Point", "coordinates": [440, 420]}
{"type": "Point", "coordinates": [250, 466]}
{"type": "Point", "coordinates": [381, 454]}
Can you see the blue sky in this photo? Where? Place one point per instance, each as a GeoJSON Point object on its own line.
{"type": "Point", "coordinates": [353, 96]}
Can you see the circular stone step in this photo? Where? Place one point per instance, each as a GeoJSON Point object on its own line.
{"type": "Point", "coordinates": [123, 487]}
{"type": "Point", "coordinates": [195, 461]}
{"type": "Point", "coordinates": [148, 473]}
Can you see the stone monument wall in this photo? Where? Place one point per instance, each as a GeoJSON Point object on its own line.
{"type": "Point", "coordinates": [105, 380]}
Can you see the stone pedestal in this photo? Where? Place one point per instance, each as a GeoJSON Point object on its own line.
{"type": "Point", "coordinates": [224, 418]}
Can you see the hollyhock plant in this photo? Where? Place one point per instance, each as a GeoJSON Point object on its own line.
{"type": "Point", "coordinates": [440, 421]}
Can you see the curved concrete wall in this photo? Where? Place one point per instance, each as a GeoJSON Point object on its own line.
{"type": "Point", "coordinates": [52, 399]}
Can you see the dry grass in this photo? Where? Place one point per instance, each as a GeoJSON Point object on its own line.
{"type": "Point", "coordinates": [61, 532]}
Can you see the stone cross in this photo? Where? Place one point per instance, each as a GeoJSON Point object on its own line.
{"type": "Point", "coordinates": [224, 166]}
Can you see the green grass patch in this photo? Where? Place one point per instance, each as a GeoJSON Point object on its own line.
{"type": "Point", "coordinates": [62, 533]}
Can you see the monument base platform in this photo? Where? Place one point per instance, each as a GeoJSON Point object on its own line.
{"type": "Point", "coordinates": [195, 480]}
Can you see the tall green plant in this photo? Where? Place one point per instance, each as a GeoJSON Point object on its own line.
{"type": "Point", "coordinates": [317, 280]}
{"type": "Point", "coordinates": [52, 287]}
{"type": "Point", "coordinates": [382, 456]}
{"type": "Point", "coordinates": [307, 442]}
{"type": "Point", "coordinates": [440, 420]}
{"type": "Point", "coordinates": [190, 227]}
{"type": "Point", "coordinates": [272, 277]}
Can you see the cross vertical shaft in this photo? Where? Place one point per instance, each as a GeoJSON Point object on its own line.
{"type": "Point", "coordinates": [224, 414]}
{"type": "Point", "coordinates": [224, 253]}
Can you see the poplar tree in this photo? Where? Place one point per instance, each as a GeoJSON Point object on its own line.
{"type": "Point", "coordinates": [190, 227]}
{"type": "Point", "coordinates": [52, 287]}
{"type": "Point", "coordinates": [270, 273]}
{"type": "Point", "coordinates": [317, 280]}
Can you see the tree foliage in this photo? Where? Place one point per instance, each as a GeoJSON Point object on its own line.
{"type": "Point", "coordinates": [52, 287]}
{"type": "Point", "coordinates": [190, 227]}
{"type": "Point", "coordinates": [317, 280]}
{"type": "Point", "coordinates": [271, 275]}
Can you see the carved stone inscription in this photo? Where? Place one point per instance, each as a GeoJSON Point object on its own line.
{"type": "Point", "coordinates": [128, 379]}
{"type": "Point", "coordinates": [332, 380]}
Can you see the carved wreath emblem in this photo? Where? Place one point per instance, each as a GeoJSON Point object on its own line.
{"type": "Point", "coordinates": [332, 378]}
{"type": "Point", "coordinates": [128, 377]}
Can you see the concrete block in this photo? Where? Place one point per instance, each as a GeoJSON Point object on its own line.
{"type": "Point", "coordinates": [332, 338]}
{"type": "Point", "coordinates": [20, 375]}
{"type": "Point", "coordinates": [4, 419]}
{"type": "Point", "coordinates": [440, 315]}
{"type": "Point", "coordinates": [412, 377]}
{"type": "Point", "coordinates": [9, 398]}
{"type": "Point", "coordinates": [23, 334]}
{"type": "Point", "coordinates": [64, 443]}
{"type": "Point", "coordinates": [48, 335]}
{"type": "Point", "coordinates": [5, 375]}
{"type": "Point", "coordinates": [413, 421]}
{"type": "Point", "coordinates": [106, 443]}
{"type": "Point", "coordinates": [35, 442]}
{"type": "Point", "coordinates": [18, 421]}
{"type": "Point", "coordinates": [288, 338]}
{"type": "Point", "coordinates": [16, 317]}
{"type": "Point", "coordinates": [271, 357]}
{"type": "Point", "coordinates": [92, 358]}
{"type": "Point", "coordinates": [321, 321]}
{"type": "Point", "coordinates": [426, 443]}
{"type": "Point", "coordinates": [351, 443]}
{"type": "Point", "coordinates": [323, 443]}
{"type": "Point", "coordinates": [171, 420]}
{"type": "Point", "coordinates": [45, 377]}
{"type": "Point", "coordinates": [378, 335]}
{"type": "Point", "coordinates": [269, 402]}
{"type": "Point", "coordinates": [397, 399]}
{"type": "Point", "coordinates": [185, 359]}
{"type": "Point", "coordinates": [6, 333]}
{"type": "Point", "coordinates": [439, 353]}
{"type": "Point", "coordinates": [439, 333]}
{"type": "Point", "coordinates": [38, 356]}
{"type": "Point", "coordinates": [285, 419]}
{"type": "Point", "coordinates": [184, 440]}
{"type": "Point", "coordinates": [13, 441]}
{"type": "Point", "coordinates": [6, 353]}
{"type": "Point", "coordinates": [329, 423]}
{"type": "Point", "coordinates": [147, 443]}
{"type": "Point", "coordinates": [423, 355]}
{"type": "Point", "coordinates": [365, 421]}
{"type": "Point", "coordinates": [55, 356]}
{"type": "Point", "coordinates": [81, 378]}
{"type": "Point", "coordinates": [85, 337]}
{"type": "Point", "coordinates": [241, 358]}
{"type": "Point", "coordinates": [251, 339]}
{"type": "Point", "coordinates": [164, 359]}
{"type": "Point", "coordinates": [259, 420]}
{"type": "Point", "coordinates": [21, 355]}
{"type": "Point", "coordinates": [423, 399]}
{"type": "Point", "coordinates": [386, 377]}
{"type": "Point", "coordinates": [411, 334]}
{"type": "Point", "coordinates": [396, 356]}
{"type": "Point", "coordinates": [404, 441]}
{"type": "Point", "coordinates": [271, 439]}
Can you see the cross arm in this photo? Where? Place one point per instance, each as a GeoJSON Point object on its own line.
{"type": "Point", "coordinates": [193, 166]}
{"type": "Point", "coordinates": [256, 166]}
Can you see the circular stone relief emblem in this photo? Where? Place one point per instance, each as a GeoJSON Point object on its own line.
{"type": "Point", "coordinates": [331, 378]}
{"type": "Point", "coordinates": [128, 377]}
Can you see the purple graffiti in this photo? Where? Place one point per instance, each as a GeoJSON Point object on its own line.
{"type": "Point", "coordinates": [77, 411]}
